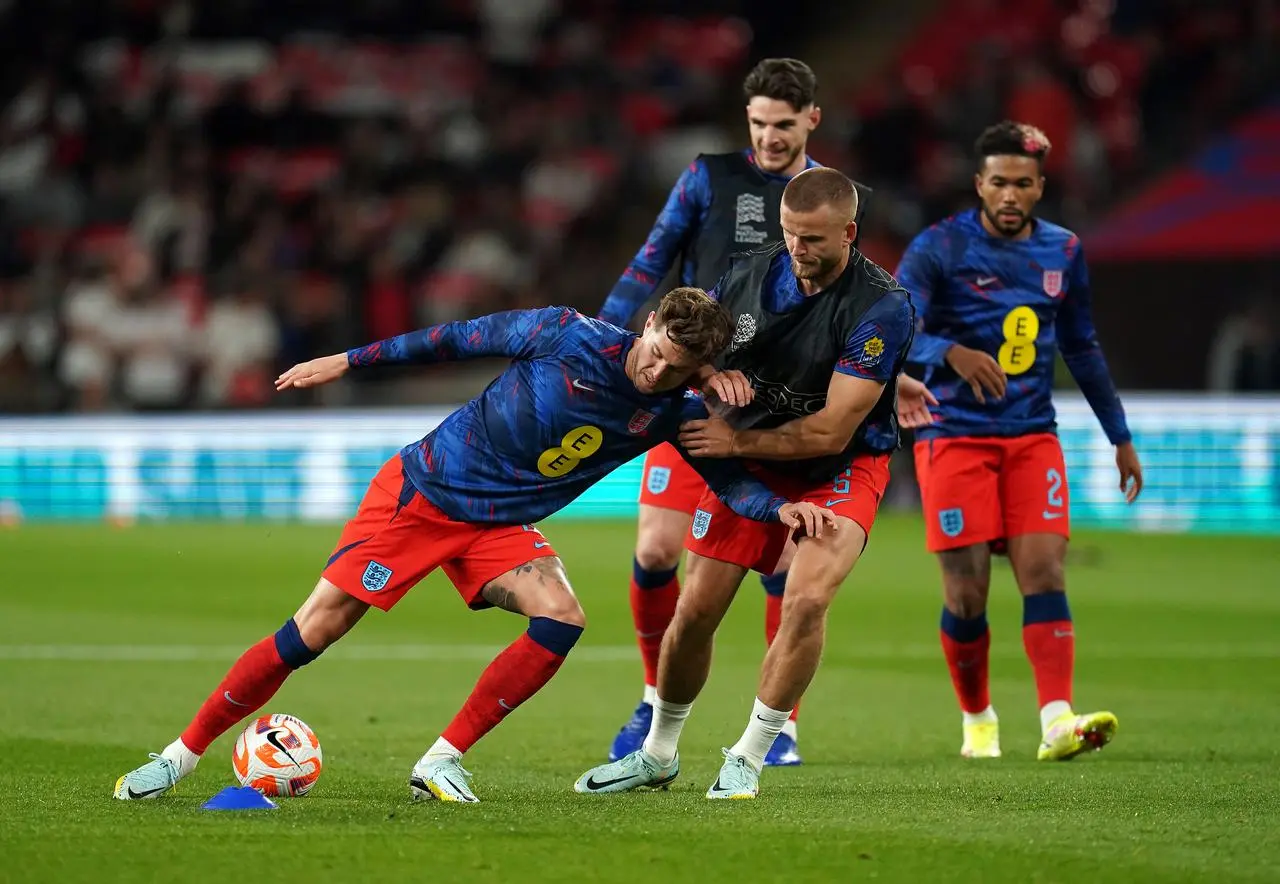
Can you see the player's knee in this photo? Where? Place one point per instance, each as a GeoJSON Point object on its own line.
{"type": "Point", "coordinates": [326, 616]}
{"type": "Point", "coordinates": [695, 617]}
{"type": "Point", "coordinates": [806, 614]}
{"type": "Point", "coordinates": [562, 607]}
{"type": "Point", "coordinates": [1041, 575]}
{"type": "Point", "coordinates": [659, 550]}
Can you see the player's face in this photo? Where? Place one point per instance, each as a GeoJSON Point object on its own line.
{"type": "Point", "coordinates": [1009, 187]}
{"type": "Point", "coordinates": [817, 241]}
{"type": "Point", "coordinates": [779, 133]}
{"type": "Point", "coordinates": [658, 363]}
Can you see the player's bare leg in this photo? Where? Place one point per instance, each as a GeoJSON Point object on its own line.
{"type": "Point", "coordinates": [785, 751]}
{"type": "Point", "coordinates": [540, 591]}
{"type": "Point", "coordinates": [820, 566]}
{"type": "Point", "coordinates": [966, 644]}
{"type": "Point", "coordinates": [654, 590]}
{"type": "Point", "coordinates": [326, 616]}
{"type": "Point", "coordinates": [1049, 639]}
{"type": "Point", "coordinates": [710, 586]}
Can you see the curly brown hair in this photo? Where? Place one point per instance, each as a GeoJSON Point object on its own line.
{"type": "Point", "coordinates": [1011, 138]}
{"type": "Point", "coordinates": [694, 322]}
{"type": "Point", "coordinates": [782, 79]}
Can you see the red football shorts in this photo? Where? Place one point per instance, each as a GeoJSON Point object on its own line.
{"type": "Point", "coordinates": [669, 481]}
{"type": "Point", "coordinates": [720, 533]}
{"type": "Point", "coordinates": [988, 489]}
{"type": "Point", "coordinates": [397, 537]}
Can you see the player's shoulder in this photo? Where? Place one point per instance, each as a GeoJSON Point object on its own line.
{"type": "Point", "coordinates": [1055, 236]}
{"type": "Point", "coordinates": [940, 238]}
{"type": "Point", "coordinates": [572, 330]}
{"type": "Point", "coordinates": [579, 325]}
{"type": "Point", "coordinates": [868, 274]}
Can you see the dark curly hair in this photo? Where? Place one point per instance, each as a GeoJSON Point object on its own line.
{"type": "Point", "coordinates": [694, 322]}
{"type": "Point", "coordinates": [782, 79]}
{"type": "Point", "coordinates": [1008, 138]}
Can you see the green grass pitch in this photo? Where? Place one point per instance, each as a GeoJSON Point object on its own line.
{"type": "Point", "coordinates": [109, 639]}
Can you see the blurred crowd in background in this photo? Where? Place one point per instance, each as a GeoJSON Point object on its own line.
{"type": "Point", "coordinates": [194, 196]}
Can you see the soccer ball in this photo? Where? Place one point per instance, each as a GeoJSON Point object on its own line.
{"type": "Point", "coordinates": [278, 755]}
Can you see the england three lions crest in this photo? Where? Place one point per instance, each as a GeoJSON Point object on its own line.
{"type": "Point", "coordinates": [640, 422]}
{"type": "Point", "coordinates": [701, 522]}
{"type": "Point", "coordinates": [1053, 283]}
{"type": "Point", "coordinates": [743, 332]}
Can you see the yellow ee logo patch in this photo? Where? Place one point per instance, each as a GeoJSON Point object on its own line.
{"type": "Point", "coordinates": [577, 444]}
{"type": "Point", "coordinates": [1018, 352]}
{"type": "Point", "coordinates": [872, 350]}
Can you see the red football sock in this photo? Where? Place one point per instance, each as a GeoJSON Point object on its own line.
{"type": "Point", "coordinates": [514, 676]}
{"type": "Point", "coordinates": [251, 682]}
{"type": "Point", "coordinates": [772, 620]}
{"type": "Point", "coordinates": [653, 603]}
{"type": "Point", "coordinates": [1051, 648]}
{"type": "Point", "coordinates": [968, 662]}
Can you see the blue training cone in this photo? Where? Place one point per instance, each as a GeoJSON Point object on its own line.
{"type": "Point", "coordinates": [239, 798]}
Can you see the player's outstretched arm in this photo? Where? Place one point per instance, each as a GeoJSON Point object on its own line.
{"type": "Point", "coordinates": [313, 373]}
{"type": "Point", "coordinates": [1082, 352]}
{"type": "Point", "coordinates": [514, 334]}
{"type": "Point", "coordinates": [672, 231]}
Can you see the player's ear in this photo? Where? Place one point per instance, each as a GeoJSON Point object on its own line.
{"type": "Point", "coordinates": [815, 117]}
{"type": "Point", "coordinates": [648, 323]}
{"type": "Point", "coordinates": [851, 233]}
{"type": "Point", "coordinates": [977, 182]}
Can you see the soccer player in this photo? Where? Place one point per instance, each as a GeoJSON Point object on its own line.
{"type": "Point", "coordinates": [821, 332]}
{"type": "Point", "coordinates": [721, 204]}
{"type": "Point", "coordinates": [999, 292]}
{"type": "Point", "coordinates": [579, 398]}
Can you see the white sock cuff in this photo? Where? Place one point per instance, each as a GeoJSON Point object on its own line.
{"type": "Point", "coordinates": [671, 708]}
{"type": "Point", "coordinates": [767, 713]}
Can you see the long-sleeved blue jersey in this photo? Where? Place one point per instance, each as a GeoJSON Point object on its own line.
{"type": "Point", "coordinates": [560, 418]}
{"type": "Point", "coordinates": [1020, 301]}
{"type": "Point", "coordinates": [680, 222]}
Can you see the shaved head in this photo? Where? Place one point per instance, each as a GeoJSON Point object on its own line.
{"type": "Point", "coordinates": [818, 188]}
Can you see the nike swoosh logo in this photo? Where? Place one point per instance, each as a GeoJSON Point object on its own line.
{"type": "Point", "coordinates": [456, 788]}
{"type": "Point", "coordinates": [273, 737]}
{"type": "Point", "coordinates": [984, 281]}
{"type": "Point", "coordinates": [503, 704]}
{"type": "Point", "coordinates": [1050, 516]}
{"type": "Point", "coordinates": [579, 385]}
{"type": "Point", "coordinates": [1057, 633]}
{"type": "Point", "coordinates": [539, 544]}
{"type": "Point", "coordinates": [226, 695]}
{"type": "Point", "coordinates": [834, 501]}
{"type": "Point", "coordinates": [138, 795]}
{"type": "Point", "coordinates": [640, 634]}
{"type": "Point", "coordinates": [592, 783]}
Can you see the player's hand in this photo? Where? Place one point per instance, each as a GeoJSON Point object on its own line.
{"type": "Point", "coordinates": [980, 370]}
{"type": "Point", "coordinates": [914, 400]}
{"type": "Point", "coordinates": [809, 517]}
{"type": "Point", "coordinates": [1130, 471]}
{"type": "Point", "coordinates": [313, 373]}
{"type": "Point", "coordinates": [712, 437]}
{"type": "Point", "coordinates": [731, 386]}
